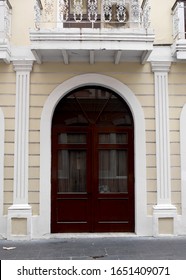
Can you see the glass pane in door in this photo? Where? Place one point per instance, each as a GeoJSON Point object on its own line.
{"type": "Point", "coordinates": [113, 171]}
{"type": "Point", "coordinates": [113, 138]}
{"type": "Point", "coordinates": [71, 171]}
{"type": "Point", "coordinates": [72, 138]}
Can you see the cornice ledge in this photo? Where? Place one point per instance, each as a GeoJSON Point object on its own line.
{"type": "Point", "coordinates": [23, 206]}
{"type": "Point", "coordinates": [91, 34]}
{"type": "Point", "coordinates": [5, 52]}
{"type": "Point", "coordinates": [160, 66]}
{"type": "Point", "coordinates": [23, 65]}
{"type": "Point", "coordinates": [179, 49]}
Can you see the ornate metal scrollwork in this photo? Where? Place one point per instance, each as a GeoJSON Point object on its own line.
{"type": "Point", "coordinates": [37, 10]}
{"type": "Point", "coordinates": [176, 21]}
{"type": "Point", "coordinates": [135, 9]}
{"type": "Point", "coordinates": [78, 10]}
{"type": "Point", "coordinates": [113, 11]}
{"type": "Point", "coordinates": [146, 14]}
{"type": "Point", "coordinates": [107, 10]}
{"type": "Point", "coordinates": [7, 19]}
{"type": "Point", "coordinates": [49, 10]}
{"type": "Point", "coordinates": [121, 11]}
{"type": "Point", "coordinates": [92, 10]}
{"type": "Point", "coordinates": [63, 10]}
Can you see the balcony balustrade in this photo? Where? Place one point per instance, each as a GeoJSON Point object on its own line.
{"type": "Point", "coordinates": [179, 29]}
{"type": "Point", "coordinates": [93, 30]}
{"type": "Point", "coordinates": [92, 13]}
{"type": "Point", "coordinates": [5, 30]}
{"type": "Point", "coordinates": [179, 17]}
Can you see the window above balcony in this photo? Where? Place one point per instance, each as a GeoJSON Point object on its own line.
{"type": "Point", "coordinates": [92, 30]}
{"type": "Point", "coordinates": [179, 30]}
{"type": "Point", "coordinates": [5, 30]}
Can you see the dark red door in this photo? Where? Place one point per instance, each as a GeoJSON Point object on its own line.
{"type": "Point", "coordinates": [114, 193]}
{"type": "Point", "coordinates": [92, 164]}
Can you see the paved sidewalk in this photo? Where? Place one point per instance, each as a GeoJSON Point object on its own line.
{"type": "Point", "coordinates": [99, 248]}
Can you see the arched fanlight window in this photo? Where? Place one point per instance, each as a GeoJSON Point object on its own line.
{"type": "Point", "coordinates": [93, 105]}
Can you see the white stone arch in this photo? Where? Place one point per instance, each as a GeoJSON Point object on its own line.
{"type": "Point", "coordinates": [142, 223]}
{"type": "Point", "coordinates": [2, 131]}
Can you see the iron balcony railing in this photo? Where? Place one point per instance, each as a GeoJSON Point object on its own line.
{"type": "Point", "coordinates": [179, 19]}
{"type": "Point", "coordinates": [92, 14]}
{"type": "Point", "coordinates": [5, 19]}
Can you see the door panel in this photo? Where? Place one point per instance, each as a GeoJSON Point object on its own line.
{"type": "Point", "coordinates": [79, 210]}
{"type": "Point", "coordinates": [111, 209]}
{"type": "Point", "coordinates": [114, 198]}
{"type": "Point", "coordinates": [70, 198]}
{"type": "Point", "coordinates": [71, 171]}
{"type": "Point", "coordinates": [113, 171]}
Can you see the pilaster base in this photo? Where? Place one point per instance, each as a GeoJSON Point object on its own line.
{"type": "Point", "coordinates": [19, 222]}
{"type": "Point", "coordinates": [164, 220]}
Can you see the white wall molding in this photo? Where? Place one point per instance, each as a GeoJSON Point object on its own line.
{"type": "Point", "coordinates": [143, 224]}
{"type": "Point", "coordinates": [20, 207]}
{"type": "Point", "coordinates": [23, 66]}
{"type": "Point", "coordinates": [164, 208]}
{"type": "Point", "coordinates": [23, 69]}
{"type": "Point", "coordinates": [161, 66]}
{"type": "Point", "coordinates": [161, 70]}
{"type": "Point", "coordinates": [2, 132]}
{"type": "Point", "coordinates": [161, 54]}
{"type": "Point", "coordinates": [183, 169]}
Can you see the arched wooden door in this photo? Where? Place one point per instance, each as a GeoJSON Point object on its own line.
{"type": "Point", "coordinates": [92, 163]}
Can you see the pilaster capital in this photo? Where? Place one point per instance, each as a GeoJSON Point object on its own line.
{"type": "Point", "coordinates": [23, 65]}
{"type": "Point", "coordinates": [161, 66]}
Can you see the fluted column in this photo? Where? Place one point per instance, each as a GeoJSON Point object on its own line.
{"type": "Point", "coordinates": [19, 214]}
{"type": "Point", "coordinates": [164, 210]}
{"type": "Point", "coordinates": [162, 132]}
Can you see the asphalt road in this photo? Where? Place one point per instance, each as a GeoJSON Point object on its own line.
{"type": "Point", "coordinates": [100, 248]}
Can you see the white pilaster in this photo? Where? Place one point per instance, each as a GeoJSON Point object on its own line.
{"type": "Point", "coordinates": [20, 208]}
{"type": "Point", "coordinates": [164, 209]}
{"type": "Point", "coordinates": [183, 169]}
{"type": "Point", "coordinates": [2, 137]}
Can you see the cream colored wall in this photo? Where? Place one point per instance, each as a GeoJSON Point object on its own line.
{"type": "Point", "coordinates": [7, 104]}
{"type": "Point", "coordinates": [161, 20]}
{"type": "Point", "coordinates": [46, 77]}
{"type": "Point", "coordinates": [165, 226]}
{"type": "Point", "coordinates": [139, 79]}
{"type": "Point", "coordinates": [22, 20]}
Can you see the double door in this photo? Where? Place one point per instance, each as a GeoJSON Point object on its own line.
{"type": "Point", "coordinates": [92, 179]}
